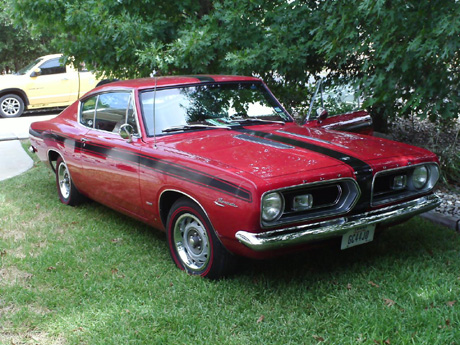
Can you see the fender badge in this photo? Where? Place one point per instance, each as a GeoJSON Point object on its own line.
{"type": "Point", "coordinates": [222, 203]}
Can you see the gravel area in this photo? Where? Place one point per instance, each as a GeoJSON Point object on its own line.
{"type": "Point", "coordinates": [450, 202]}
{"type": "Point", "coordinates": [438, 139]}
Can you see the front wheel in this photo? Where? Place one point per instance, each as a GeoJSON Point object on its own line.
{"type": "Point", "coordinates": [193, 245]}
{"type": "Point", "coordinates": [68, 193]}
{"type": "Point", "coordinates": [11, 105]}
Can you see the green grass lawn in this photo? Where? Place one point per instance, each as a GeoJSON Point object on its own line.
{"type": "Point", "coordinates": [88, 275]}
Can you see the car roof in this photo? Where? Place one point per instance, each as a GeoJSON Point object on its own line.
{"type": "Point", "coordinates": [149, 83]}
{"type": "Point", "coordinates": [50, 56]}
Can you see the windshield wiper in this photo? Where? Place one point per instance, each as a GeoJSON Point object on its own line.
{"type": "Point", "coordinates": [255, 120]}
{"type": "Point", "coordinates": [190, 127]}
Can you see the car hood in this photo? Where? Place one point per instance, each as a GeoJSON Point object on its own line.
{"type": "Point", "coordinates": [10, 80]}
{"type": "Point", "coordinates": [273, 151]}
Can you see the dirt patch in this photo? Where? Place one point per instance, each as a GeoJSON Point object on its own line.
{"type": "Point", "coordinates": [11, 335]}
{"type": "Point", "coordinates": [10, 276]}
{"type": "Point", "coordinates": [7, 310]}
{"type": "Point", "coordinates": [14, 234]}
{"type": "Point", "coordinates": [36, 338]}
{"type": "Point", "coordinates": [16, 252]}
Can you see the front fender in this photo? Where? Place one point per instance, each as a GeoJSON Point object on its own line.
{"type": "Point", "coordinates": [21, 93]}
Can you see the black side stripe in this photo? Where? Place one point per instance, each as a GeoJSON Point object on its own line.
{"type": "Point", "coordinates": [34, 133]}
{"type": "Point", "coordinates": [363, 171]}
{"type": "Point", "coordinates": [197, 177]}
{"type": "Point", "coordinates": [163, 166]}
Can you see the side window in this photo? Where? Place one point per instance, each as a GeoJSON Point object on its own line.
{"type": "Point", "coordinates": [87, 112]}
{"type": "Point", "coordinates": [53, 66]}
{"type": "Point", "coordinates": [111, 111]}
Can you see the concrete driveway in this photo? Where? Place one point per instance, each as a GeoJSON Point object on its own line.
{"type": "Point", "coordinates": [13, 159]}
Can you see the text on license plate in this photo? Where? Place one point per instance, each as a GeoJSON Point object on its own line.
{"type": "Point", "coordinates": [358, 236]}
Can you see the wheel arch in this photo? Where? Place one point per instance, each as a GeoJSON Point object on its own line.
{"type": "Point", "coordinates": [17, 92]}
{"type": "Point", "coordinates": [53, 156]}
{"type": "Point", "coordinates": [167, 199]}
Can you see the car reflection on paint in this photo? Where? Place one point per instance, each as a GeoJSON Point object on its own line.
{"type": "Point", "coordinates": [219, 165]}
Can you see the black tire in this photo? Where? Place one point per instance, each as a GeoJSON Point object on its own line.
{"type": "Point", "coordinates": [11, 105]}
{"type": "Point", "coordinates": [68, 193]}
{"type": "Point", "coordinates": [202, 254]}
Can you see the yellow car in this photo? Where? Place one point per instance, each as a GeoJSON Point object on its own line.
{"type": "Point", "coordinates": [45, 83]}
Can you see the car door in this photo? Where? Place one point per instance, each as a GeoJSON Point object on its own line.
{"type": "Point", "coordinates": [52, 85]}
{"type": "Point", "coordinates": [109, 163]}
{"type": "Point", "coordinates": [338, 98]}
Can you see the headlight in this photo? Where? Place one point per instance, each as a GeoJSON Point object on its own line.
{"type": "Point", "coordinates": [272, 206]}
{"type": "Point", "coordinates": [420, 177]}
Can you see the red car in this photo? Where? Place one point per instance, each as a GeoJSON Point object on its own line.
{"type": "Point", "coordinates": [219, 165]}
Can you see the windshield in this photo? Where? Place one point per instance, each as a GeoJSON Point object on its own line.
{"type": "Point", "coordinates": [204, 106]}
{"type": "Point", "coordinates": [26, 69]}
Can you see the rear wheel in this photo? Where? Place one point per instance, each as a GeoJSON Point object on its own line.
{"type": "Point", "coordinates": [11, 105]}
{"type": "Point", "coordinates": [193, 243]}
{"type": "Point", "coordinates": [68, 193]}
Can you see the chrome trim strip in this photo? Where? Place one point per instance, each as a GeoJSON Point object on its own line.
{"type": "Point", "coordinates": [301, 234]}
{"type": "Point", "coordinates": [53, 168]}
{"type": "Point", "coordinates": [132, 99]}
{"type": "Point", "coordinates": [364, 119]}
{"type": "Point", "coordinates": [184, 194]}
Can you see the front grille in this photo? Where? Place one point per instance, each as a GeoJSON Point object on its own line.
{"type": "Point", "coordinates": [331, 198]}
{"type": "Point", "coordinates": [384, 191]}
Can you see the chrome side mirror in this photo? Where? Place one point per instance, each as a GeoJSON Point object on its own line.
{"type": "Point", "coordinates": [126, 131]}
{"type": "Point", "coordinates": [321, 114]}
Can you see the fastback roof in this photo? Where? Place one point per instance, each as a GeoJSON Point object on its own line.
{"type": "Point", "coordinates": [146, 83]}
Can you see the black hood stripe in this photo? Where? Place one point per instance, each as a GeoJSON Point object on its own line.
{"type": "Point", "coordinates": [363, 171]}
{"type": "Point", "coordinates": [160, 165]}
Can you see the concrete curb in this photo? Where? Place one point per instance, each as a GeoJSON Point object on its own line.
{"type": "Point", "coordinates": [13, 159]}
{"type": "Point", "coordinates": [442, 219]}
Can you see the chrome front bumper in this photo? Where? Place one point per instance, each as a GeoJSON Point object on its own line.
{"type": "Point", "coordinates": [332, 228]}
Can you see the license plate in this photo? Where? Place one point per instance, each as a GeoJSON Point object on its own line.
{"type": "Point", "coordinates": [358, 236]}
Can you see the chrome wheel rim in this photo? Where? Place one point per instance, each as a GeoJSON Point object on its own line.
{"type": "Point", "coordinates": [191, 242]}
{"type": "Point", "coordinates": [64, 180]}
{"type": "Point", "coordinates": [10, 106]}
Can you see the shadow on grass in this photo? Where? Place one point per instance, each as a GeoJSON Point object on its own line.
{"type": "Point", "coordinates": [414, 241]}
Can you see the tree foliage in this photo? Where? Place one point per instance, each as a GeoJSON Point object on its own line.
{"type": "Point", "coordinates": [403, 54]}
{"type": "Point", "coordinates": [18, 46]}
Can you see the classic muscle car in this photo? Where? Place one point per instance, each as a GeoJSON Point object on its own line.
{"type": "Point", "coordinates": [219, 165]}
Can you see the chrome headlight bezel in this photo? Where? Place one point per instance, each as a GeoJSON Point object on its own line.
{"type": "Point", "coordinates": [272, 206]}
{"type": "Point", "coordinates": [328, 199]}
